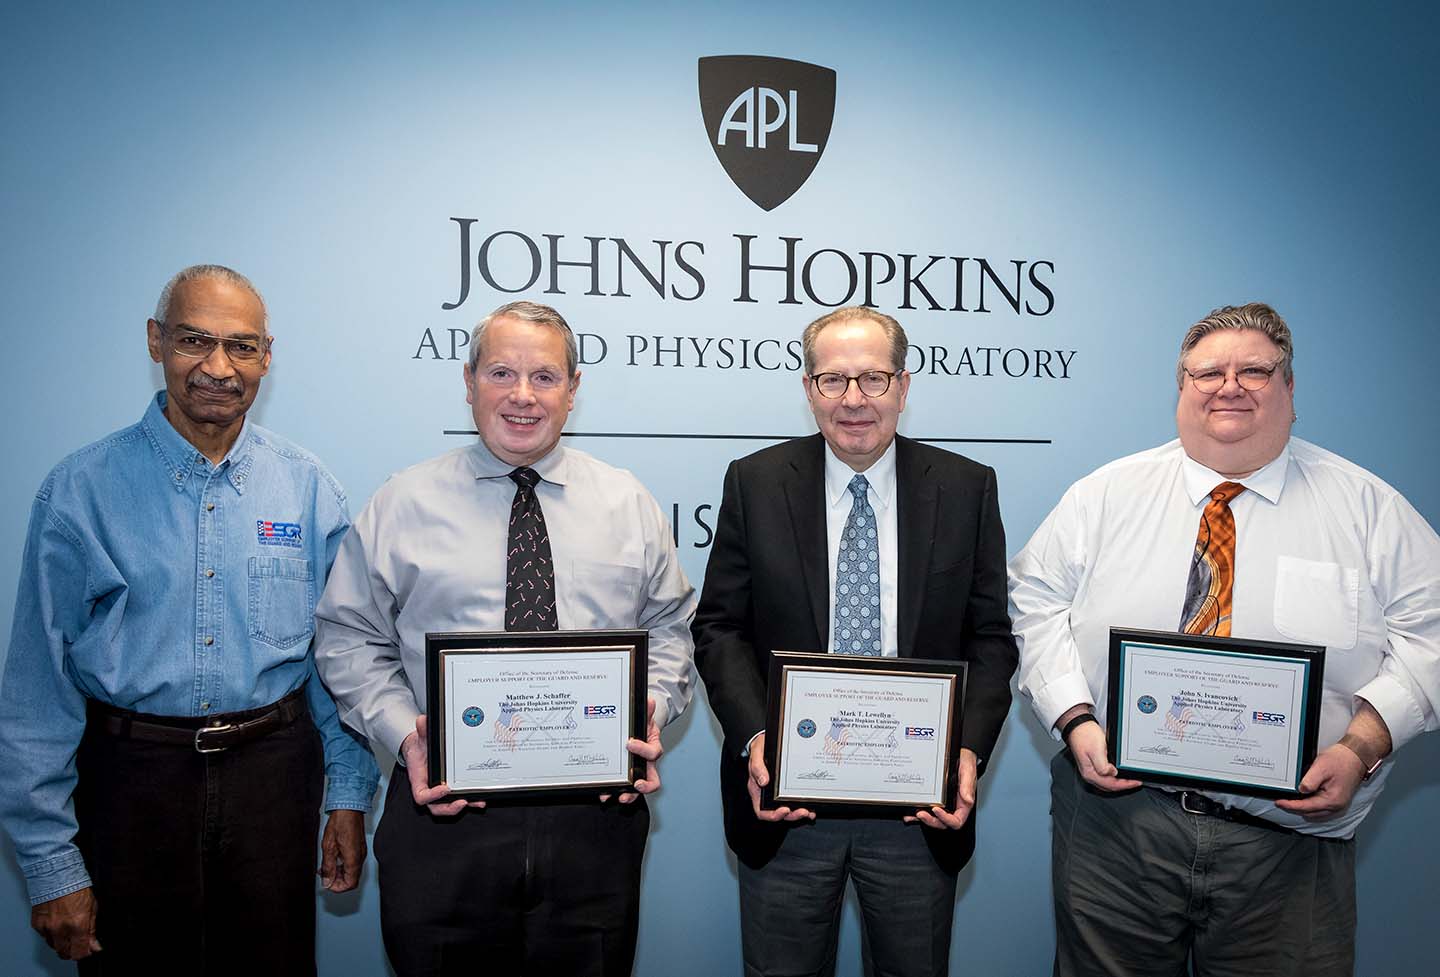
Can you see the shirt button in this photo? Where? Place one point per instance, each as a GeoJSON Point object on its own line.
{"type": "Point", "coordinates": [210, 507]}
{"type": "Point", "coordinates": [209, 640]}
{"type": "Point", "coordinates": [209, 573]}
{"type": "Point", "coordinates": [205, 706]}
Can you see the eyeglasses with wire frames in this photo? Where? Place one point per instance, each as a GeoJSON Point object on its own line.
{"type": "Point", "coordinates": [194, 344]}
{"type": "Point", "coordinates": [1211, 379]}
{"type": "Point", "coordinates": [872, 383]}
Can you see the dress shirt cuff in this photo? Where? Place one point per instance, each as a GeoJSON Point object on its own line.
{"type": "Point", "coordinates": [59, 875]}
{"type": "Point", "coordinates": [662, 710]}
{"type": "Point", "coordinates": [745, 753]}
{"type": "Point", "coordinates": [392, 726]}
{"type": "Point", "coordinates": [1402, 715]}
{"type": "Point", "coordinates": [349, 794]}
{"type": "Point", "coordinates": [1061, 693]}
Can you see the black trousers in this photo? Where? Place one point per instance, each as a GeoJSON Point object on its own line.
{"type": "Point", "coordinates": [533, 889]}
{"type": "Point", "coordinates": [202, 864]}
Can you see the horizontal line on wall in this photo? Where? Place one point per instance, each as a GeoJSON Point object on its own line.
{"type": "Point", "coordinates": [755, 437]}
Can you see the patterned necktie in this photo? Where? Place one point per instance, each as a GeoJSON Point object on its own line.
{"type": "Point", "coordinates": [1211, 584]}
{"type": "Point", "coordinates": [857, 578]}
{"type": "Point", "coordinates": [529, 571]}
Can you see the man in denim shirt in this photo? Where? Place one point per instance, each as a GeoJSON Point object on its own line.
{"type": "Point", "coordinates": [161, 726]}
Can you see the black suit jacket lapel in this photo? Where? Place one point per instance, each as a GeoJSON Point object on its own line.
{"type": "Point", "coordinates": [917, 496]}
{"type": "Point", "coordinates": [805, 496]}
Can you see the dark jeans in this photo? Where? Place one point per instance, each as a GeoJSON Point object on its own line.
{"type": "Point", "coordinates": [532, 890]}
{"type": "Point", "coordinates": [1142, 888]}
{"type": "Point", "coordinates": [202, 864]}
{"type": "Point", "coordinates": [790, 908]}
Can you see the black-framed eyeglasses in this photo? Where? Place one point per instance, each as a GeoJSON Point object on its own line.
{"type": "Point", "coordinates": [1252, 378]}
{"type": "Point", "coordinates": [872, 383]}
{"type": "Point", "coordinates": [195, 344]}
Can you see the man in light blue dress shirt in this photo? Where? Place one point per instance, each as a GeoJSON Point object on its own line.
{"type": "Point", "coordinates": [161, 726]}
{"type": "Point", "coordinates": [505, 887]}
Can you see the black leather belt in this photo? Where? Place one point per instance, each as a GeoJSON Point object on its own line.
{"type": "Point", "coordinates": [203, 734]}
{"type": "Point", "coordinates": [1198, 804]}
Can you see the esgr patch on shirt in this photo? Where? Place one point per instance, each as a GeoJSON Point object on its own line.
{"type": "Point", "coordinates": [271, 533]}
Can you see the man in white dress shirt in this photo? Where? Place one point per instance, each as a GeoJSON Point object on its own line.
{"type": "Point", "coordinates": [510, 888]}
{"type": "Point", "coordinates": [1321, 552]}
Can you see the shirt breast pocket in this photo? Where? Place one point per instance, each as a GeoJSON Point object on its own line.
{"type": "Point", "coordinates": [1317, 602]}
{"type": "Point", "coordinates": [606, 595]}
{"type": "Point", "coordinates": [282, 600]}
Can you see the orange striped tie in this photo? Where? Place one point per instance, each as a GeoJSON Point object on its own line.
{"type": "Point", "coordinates": [1210, 587]}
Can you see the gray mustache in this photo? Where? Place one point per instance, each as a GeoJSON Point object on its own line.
{"type": "Point", "coordinates": [225, 384]}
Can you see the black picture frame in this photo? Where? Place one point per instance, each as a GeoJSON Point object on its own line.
{"type": "Point", "coordinates": [440, 645]}
{"type": "Point", "coordinates": [783, 663]}
{"type": "Point", "coordinates": [1240, 649]}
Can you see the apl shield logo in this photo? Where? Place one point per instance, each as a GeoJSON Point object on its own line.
{"type": "Point", "coordinates": [768, 120]}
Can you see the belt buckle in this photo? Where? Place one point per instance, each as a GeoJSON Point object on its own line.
{"type": "Point", "coordinates": [1203, 804]}
{"type": "Point", "coordinates": [223, 728]}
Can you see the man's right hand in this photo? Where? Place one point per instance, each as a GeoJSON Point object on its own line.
{"type": "Point", "coordinates": [759, 777]}
{"type": "Point", "coordinates": [68, 924]}
{"type": "Point", "coordinates": [1087, 744]}
{"type": "Point", "coordinates": [415, 751]}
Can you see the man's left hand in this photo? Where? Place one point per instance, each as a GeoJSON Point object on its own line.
{"type": "Point", "coordinates": [938, 817]}
{"type": "Point", "coordinates": [650, 749]}
{"type": "Point", "coordinates": [342, 851]}
{"type": "Point", "coordinates": [1329, 784]}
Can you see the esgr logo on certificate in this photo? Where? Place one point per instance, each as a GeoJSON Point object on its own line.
{"type": "Point", "coordinates": [1269, 718]}
{"type": "Point", "coordinates": [920, 732]}
{"type": "Point", "coordinates": [600, 712]}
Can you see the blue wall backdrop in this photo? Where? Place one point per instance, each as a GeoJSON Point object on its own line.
{"type": "Point", "coordinates": [1143, 162]}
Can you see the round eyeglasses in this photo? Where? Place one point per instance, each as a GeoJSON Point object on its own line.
{"type": "Point", "coordinates": [872, 383]}
{"type": "Point", "coordinates": [1210, 379]}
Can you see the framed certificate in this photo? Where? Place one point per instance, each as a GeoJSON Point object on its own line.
{"type": "Point", "coordinates": [1226, 714]}
{"type": "Point", "coordinates": [535, 712]}
{"type": "Point", "coordinates": [845, 730]}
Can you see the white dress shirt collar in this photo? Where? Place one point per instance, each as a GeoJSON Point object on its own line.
{"type": "Point", "coordinates": [880, 475]}
{"type": "Point", "coordinates": [1268, 482]}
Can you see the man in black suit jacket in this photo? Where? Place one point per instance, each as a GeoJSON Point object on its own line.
{"type": "Point", "coordinates": [768, 586]}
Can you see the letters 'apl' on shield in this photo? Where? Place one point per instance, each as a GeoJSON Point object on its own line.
{"type": "Point", "coordinates": [768, 120]}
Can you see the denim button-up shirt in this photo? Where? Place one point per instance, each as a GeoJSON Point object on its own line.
{"type": "Point", "coordinates": [155, 581]}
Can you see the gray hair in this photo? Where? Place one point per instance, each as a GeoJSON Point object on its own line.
{"type": "Point", "coordinates": [894, 334]}
{"type": "Point", "coordinates": [1254, 315]}
{"type": "Point", "coordinates": [540, 315]}
{"type": "Point", "coordinates": [217, 273]}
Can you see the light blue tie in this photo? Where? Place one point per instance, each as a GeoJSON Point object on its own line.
{"type": "Point", "coordinates": [857, 579]}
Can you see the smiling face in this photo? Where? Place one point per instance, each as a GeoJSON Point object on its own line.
{"type": "Point", "coordinates": [857, 428]}
{"type": "Point", "coordinates": [206, 397]}
{"type": "Point", "coordinates": [1234, 431]}
{"type": "Point", "coordinates": [518, 390]}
